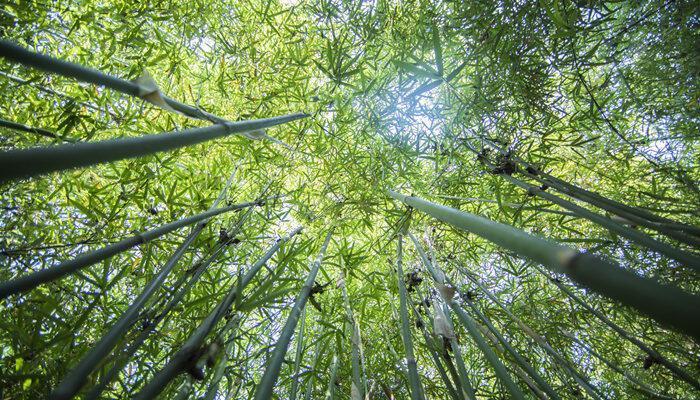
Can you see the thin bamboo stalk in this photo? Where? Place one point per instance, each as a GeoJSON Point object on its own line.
{"type": "Point", "coordinates": [24, 128]}
{"type": "Point", "coordinates": [471, 326]}
{"type": "Point", "coordinates": [297, 357]}
{"type": "Point", "coordinates": [187, 355]}
{"type": "Point", "coordinates": [560, 360]}
{"type": "Point", "coordinates": [123, 358]}
{"type": "Point", "coordinates": [684, 257]}
{"type": "Point", "coordinates": [330, 392]}
{"type": "Point", "coordinates": [84, 260]}
{"type": "Point", "coordinates": [675, 369]}
{"type": "Point", "coordinates": [462, 377]}
{"type": "Point", "coordinates": [666, 304]}
{"type": "Point", "coordinates": [358, 389]}
{"type": "Point", "coordinates": [413, 378]}
{"type": "Point", "coordinates": [266, 386]}
{"type": "Point", "coordinates": [429, 343]}
{"type": "Point", "coordinates": [641, 386]}
{"type": "Point", "coordinates": [310, 382]}
{"type": "Point", "coordinates": [25, 163]}
{"type": "Point", "coordinates": [76, 377]}
{"type": "Point", "coordinates": [230, 329]}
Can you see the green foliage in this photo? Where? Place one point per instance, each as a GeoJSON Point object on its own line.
{"type": "Point", "coordinates": [402, 95]}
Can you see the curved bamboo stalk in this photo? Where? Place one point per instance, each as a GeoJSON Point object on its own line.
{"type": "Point", "coordinates": [84, 260]}
{"type": "Point", "coordinates": [666, 304]}
{"type": "Point", "coordinates": [26, 163]}
{"type": "Point", "coordinates": [413, 378]}
{"type": "Point", "coordinates": [267, 382]}
{"type": "Point", "coordinates": [188, 354]}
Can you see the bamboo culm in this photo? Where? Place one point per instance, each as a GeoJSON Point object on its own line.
{"type": "Point", "coordinates": [473, 330]}
{"type": "Point", "coordinates": [26, 163]}
{"type": "Point", "coordinates": [297, 356]}
{"type": "Point", "coordinates": [50, 64]}
{"type": "Point", "coordinates": [666, 304]}
{"type": "Point", "coordinates": [413, 378]}
{"type": "Point", "coordinates": [267, 382]}
{"type": "Point", "coordinates": [184, 356]}
{"type": "Point", "coordinates": [87, 259]}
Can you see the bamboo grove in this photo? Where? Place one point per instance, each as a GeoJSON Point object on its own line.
{"type": "Point", "coordinates": [365, 200]}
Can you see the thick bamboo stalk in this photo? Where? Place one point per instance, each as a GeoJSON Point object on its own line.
{"type": "Point", "coordinates": [330, 392]}
{"type": "Point", "coordinates": [84, 260]}
{"type": "Point", "coordinates": [266, 386]}
{"type": "Point", "coordinates": [666, 304]}
{"type": "Point", "coordinates": [413, 378]}
{"type": "Point", "coordinates": [684, 257]}
{"type": "Point", "coordinates": [298, 355]}
{"type": "Point", "coordinates": [470, 325]}
{"type": "Point", "coordinates": [25, 163]}
{"type": "Point", "coordinates": [76, 377]}
{"type": "Point", "coordinates": [46, 63]}
{"type": "Point", "coordinates": [184, 357]}
{"type": "Point", "coordinates": [678, 371]}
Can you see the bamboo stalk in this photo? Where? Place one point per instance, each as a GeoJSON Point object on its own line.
{"type": "Point", "coordinates": [220, 368]}
{"type": "Point", "coordinates": [678, 371]}
{"type": "Point", "coordinates": [641, 386]}
{"type": "Point", "coordinates": [310, 381]}
{"type": "Point", "coordinates": [413, 379]}
{"type": "Point", "coordinates": [355, 342]}
{"type": "Point", "coordinates": [666, 304]}
{"type": "Point", "coordinates": [330, 392]}
{"type": "Point", "coordinates": [524, 364]}
{"type": "Point", "coordinates": [189, 350]}
{"type": "Point", "coordinates": [84, 260]}
{"type": "Point", "coordinates": [37, 131]}
{"type": "Point", "coordinates": [25, 163]}
{"type": "Point", "coordinates": [460, 373]}
{"type": "Point", "coordinates": [297, 357]}
{"type": "Point", "coordinates": [454, 393]}
{"type": "Point", "coordinates": [46, 63]}
{"type": "Point", "coordinates": [266, 386]}
{"type": "Point", "coordinates": [76, 377]}
{"type": "Point", "coordinates": [470, 325]}
{"type": "Point", "coordinates": [560, 360]}
{"type": "Point", "coordinates": [686, 258]}
{"type": "Point", "coordinates": [123, 358]}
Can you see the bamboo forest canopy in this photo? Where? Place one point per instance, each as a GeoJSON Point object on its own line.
{"type": "Point", "coordinates": [334, 199]}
